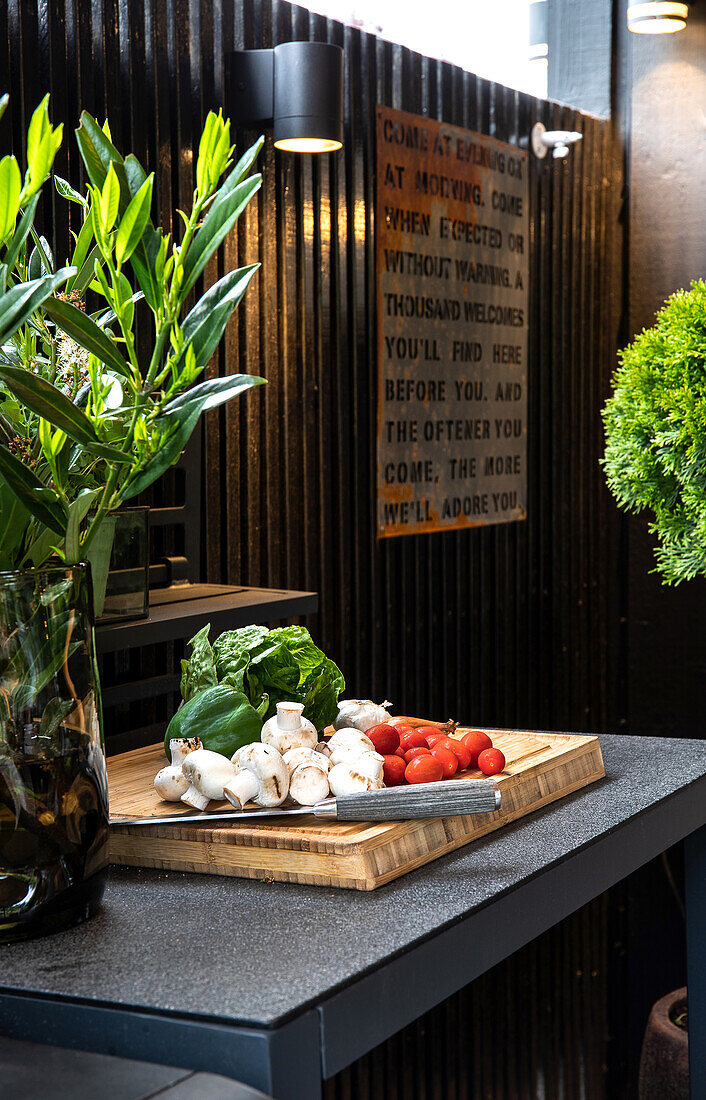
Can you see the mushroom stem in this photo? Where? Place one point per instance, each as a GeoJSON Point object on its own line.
{"type": "Point", "coordinates": [195, 799]}
{"type": "Point", "coordinates": [289, 715]}
{"type": "Point", "coordinates": [181, 747]}
{"type": "Point", "coordinates": [241, 789]}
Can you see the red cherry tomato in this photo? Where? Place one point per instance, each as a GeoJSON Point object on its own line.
{"type": "Point", "coordinates": [399, 752]}
{"type": "Point", "coordinates": [400, 724]}
{"type": "Point", "coordinates": [385, 738]}
{"type": "Point", "coordinates": [393, 769]}
{"type": "Point", "coordinates": [424, 769]}
{"type": "Point", "coordinates": [491, 761]}
{"type": "Point", "coordinates": [447, 759]}
{"type": "Point", "coordinates": [432, 738]}
{"type": "Point", "coordinates": [463, 753]}
{"type": "Point", "coordinates": [417, 750]}
{"type": "Point", "coordinates": [476, 741]}
{"type": "Point", "coordinates": [411, 739]}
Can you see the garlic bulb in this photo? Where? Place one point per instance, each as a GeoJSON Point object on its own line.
{"type": "Point", "coordinates": [361, 714]}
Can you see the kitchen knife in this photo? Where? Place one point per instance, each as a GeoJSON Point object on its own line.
{"type": "Point", "coordinates": [445, 799]}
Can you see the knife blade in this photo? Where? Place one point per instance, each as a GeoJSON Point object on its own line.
{"type": "Point", "coordinates": [421, 800]}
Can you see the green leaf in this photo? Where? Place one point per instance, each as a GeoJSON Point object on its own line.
{"type": "Point", "coordinates": [184, 411]}
{"type": "Point", "coordinates": [67, 192]}
{"type": "Point", "coordinates": [10, 187]}
{"type": "Point", "coordinates": [99, 554]}
{"type": "Point", "coordinates": [98, 154]}
{"type": "Point", "coordinates": [39, 500]}
{"type": "Point", "coordinates": [20, 302]}
{"type": "Point", "coordinates": [224, 213]}
{"type": "Point", "coordinates": [135, 173]}
{"type": "Point", "coordinates": [205, 324]}
{"type": "Point", "coordinates": [14, 518]}
{"type": "Point", "coordinates": [133, 222]}
{"type": "Point", "coordinates": [87, 271]}
{"type": "Point", "coordinates": [243, 166]}
{"type": "Point", "coordinates": [76, 324]}
{"type": "Point", "coordinates": [199, 672]}
{"type": "Point", "coordinates": [110, 199]}
{"type": "Point", "coordinates": [185, 421]}
{"type": "Point", "coordinates": [39, 127]}
{"type": "Point", "coordinates": [107, 316]}
{"type": "Point", "coordinates": [41, 259]}
{"type": "Point", "coordinates": [83, 253]}
{"type": "Point", "coordinates": [208, 395]}
{"type": "Point", "coordinates": [54, 714]}
{"type": "Point", "coordinates": [20, 235]}
{"type": "Point", "coordinates": [143, 262]}
{"type": "Point", "coordinates": [50, 403]}
{"type": "Point", "coordinates": [204, 158]}
{"type": "Point", "coordinates": [43, 143]}
{"type": "Point", "coordinates": [78, 510]}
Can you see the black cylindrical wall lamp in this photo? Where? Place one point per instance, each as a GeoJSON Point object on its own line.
{"type": "Point", "coordinates": [296, 85]}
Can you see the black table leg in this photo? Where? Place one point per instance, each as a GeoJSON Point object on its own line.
{"type": "Point", "coordinates": [695, 869]}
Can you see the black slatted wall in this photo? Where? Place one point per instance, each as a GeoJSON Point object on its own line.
{"type": "Point", "coordinates": [512, 624]}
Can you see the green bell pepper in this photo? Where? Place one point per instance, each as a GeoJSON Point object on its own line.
{"type": "Point", "coordinates": [223, 719]}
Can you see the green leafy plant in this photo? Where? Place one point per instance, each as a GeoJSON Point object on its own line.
{"type": "Point", "coordinates": [86, 421]}
{"type": "Point", "coordinates": [655, 424]}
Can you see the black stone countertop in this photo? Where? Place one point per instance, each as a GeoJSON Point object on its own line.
{"type": "Point", "coordinates": [252, 952]}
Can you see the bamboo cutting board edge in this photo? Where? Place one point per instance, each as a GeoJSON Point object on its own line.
{"type": "Point", "coordinates": [360, 856]}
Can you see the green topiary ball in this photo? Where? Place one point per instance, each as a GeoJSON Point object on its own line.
{"type": "Point", "coordinates": [655, 425]}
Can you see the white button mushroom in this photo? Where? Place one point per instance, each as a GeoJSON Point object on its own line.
{"type": "Point", "coordinates": [208, 772]}
{"type": "Point", "coordinates": [308, 784]}
{"type": "Point", "coordinates": [288, 730]}
{"type": "Point", "coordinates": [345, 778]}
{"type": "Point", "coordinates": [308, 776]}
{"type": "Point", "coordinates": [261, 776]}
{"type": "Point", "coordinates": [294, 757]}
{"type": "Point", "coordinates": [370, 763]}
{"type": "Point", "coordinates": [170, 783]}
{"type": "Point", "coordinates": [350, 739]}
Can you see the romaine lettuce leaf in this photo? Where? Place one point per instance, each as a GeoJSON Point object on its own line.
{"type": "Point", "coordinates": [284, 664]}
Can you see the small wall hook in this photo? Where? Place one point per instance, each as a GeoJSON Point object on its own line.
{"type": "Point", "coordinates": [542, 140]}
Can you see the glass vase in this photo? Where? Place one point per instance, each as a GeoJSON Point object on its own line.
{"type": "Point", "coordinates": [53, 780]}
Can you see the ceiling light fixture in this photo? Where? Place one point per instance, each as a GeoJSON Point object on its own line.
{"type": "Point", "coordinates": [298, 86]}
{"type": "Point", "coordinates": [657, 17]}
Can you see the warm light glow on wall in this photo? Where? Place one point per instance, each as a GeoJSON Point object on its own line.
{"type": "Point", "coordinates": [657, 17]}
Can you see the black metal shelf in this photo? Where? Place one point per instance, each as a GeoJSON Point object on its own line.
{"type": "Point", "coordinates": [176, 614]}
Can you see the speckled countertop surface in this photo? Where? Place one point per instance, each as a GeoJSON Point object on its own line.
{"type": "Point", "coordinates": [253, 952]}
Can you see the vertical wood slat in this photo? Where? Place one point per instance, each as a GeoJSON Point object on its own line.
{"type": "Point", "coordinates": [500, 625]}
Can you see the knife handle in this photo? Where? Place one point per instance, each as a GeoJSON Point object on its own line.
{"type": "Point", "coordinates": [446, 799]}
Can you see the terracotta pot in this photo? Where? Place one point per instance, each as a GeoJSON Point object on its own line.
{"type": "Point", "coordinates": [664, 1065]}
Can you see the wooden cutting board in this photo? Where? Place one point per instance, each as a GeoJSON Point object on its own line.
{"type": "Point", "coordinates": [540, 768]}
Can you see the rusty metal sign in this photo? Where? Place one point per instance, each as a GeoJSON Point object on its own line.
{"type": "Point", "coordinates": [452, 297]}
